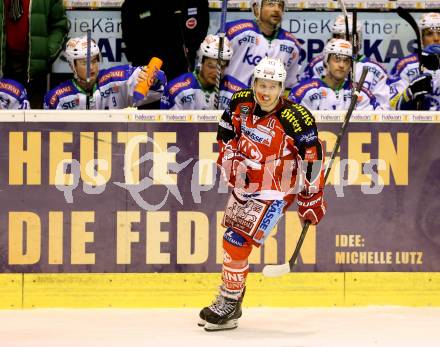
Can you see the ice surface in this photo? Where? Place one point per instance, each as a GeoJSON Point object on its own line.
{"type": "Point", "coordinates": [259, 327]}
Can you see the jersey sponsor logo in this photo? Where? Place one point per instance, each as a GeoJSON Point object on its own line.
{"type": "Point", "coordinates": [10, 88]}
{"type": "Point", "coordinates": [308, 137]}
{"type": "Point", "coordinates": [248, 39]}
{"type": "Point", "coordinates": [271, 216]}
{"type": "Point", "coordinates": [237, 27]}
{"type": "Point", "coordinates": [292, 119]}
{"type": "Point", "coordinates": [232, 87]}
{"type": "Point", "coordinates": [70, 104]}
{"type": "Point", "coordinates": [188, 99]}
{"type": "Point", "coordinates": [285, 48]}
{"type": "Point", "coordinates": [251, 59]}
{"type": "Point", "coordinates": [249, 148]}
{"type": "Point", "coordinates": [106, 93]}
{"type": "Point", "coordinates": [305, 114]}
{"type": "Point", "coordinates": [191, 23]}
{"type": "Point", "coordinates": [306, 86]}
{"type": "Point", "coordinates": [241, 94]}
{"type": "Point", "coordinates": [111, 74]}
{"type": "Point", "coordinates": [266, 130]}
{"type": "Point", "coordinates": [407, 60]}
{"type": "Point", "coordinates": [180, 85]}
{"type": "Point", "coordinates": [234, 238]}
{"type": "Point", "coordinates": [244, 110]}
{"type": "Point", "coordinates": [58, 93]}
{"type": "Point", "coordinates": [256, 135]}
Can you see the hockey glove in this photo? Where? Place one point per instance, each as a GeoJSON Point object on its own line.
{"type": "Point", "coordinates": [311, 207]}
{"type": "Point", "coordinates": [420, 86]}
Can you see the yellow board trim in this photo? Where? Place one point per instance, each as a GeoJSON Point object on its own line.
{"type": "Point", "coordinates": [134, 290]}
{"type": "Point", "coordinates": [11, 287]}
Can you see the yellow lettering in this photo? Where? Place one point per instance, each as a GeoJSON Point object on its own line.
{"type": "Point", "coordinates": [96, 173]}
{"type": "Point", "coordinates": [80, 236]}
{"type": "Point", "coordinates": [24, 250]}
{"type": "Point", "coordinates": [207, 157]}
{"type": "Point", "coordinates": [395, 157]}
{"type": "Point", "coordinates": [155, 237]}
{"type": "Point", "coordinates": [185, 240]}
{"type": "Point", "coordinates": [57, 158]}
{"type": "Point", "coordinates": [162, 158]}
{"type": "Point", "coordinates": [355, 175]}
{"type": "Point", "coordinates": [125, 235]}
{"type": "Point", "coordinates": [132, 140]}
{"type": "Point", "coordinates": [55, 249]}
{"type": "Point", "coordinates": [18, 157]}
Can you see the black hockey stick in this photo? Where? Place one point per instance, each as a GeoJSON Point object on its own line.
{"type": "Point", "coordinates": [280, 270]}
{"type": "Point", "coordinates": [347, 35]}
{"type": "Point", "coordinates": [178, 13]}
{"type": "Point", "coordinates": [406, 16]}
{"type": "Point", "coordinates": [221, 35]}
{"type": "Point", "coordinates": [88, 67]}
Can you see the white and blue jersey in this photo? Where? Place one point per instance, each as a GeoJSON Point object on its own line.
{"type": "Point", "coordinates": [406, 68]}
{"type": "Point", "coordinates": [431, 102]}
{"type": "Point", "coordinates": [113, 90]}
{"type": "Point", "coordinates": [13, 95]}
{"type": "Point", "coordinates": [376, 80]}
{"type": "Point", "coordinates": [315, 94]}
{"type": "Point", "coordinates": [250, 46]}
{"type": "Point", "coordinates": [186, 93]}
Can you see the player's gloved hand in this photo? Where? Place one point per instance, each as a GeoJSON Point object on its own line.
{"type": "Point", "coordinates": [311, 207]}
{"type": "Point", "coordinates": [419, 86]}
{"type": "Point", "coordinates": [234, 169]}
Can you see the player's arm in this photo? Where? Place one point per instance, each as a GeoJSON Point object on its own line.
{"type": "Point", "coordinates": [301, 127]}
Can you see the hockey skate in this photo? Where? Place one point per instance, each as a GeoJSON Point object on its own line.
{"type": "Point", "coordinates": [222, 314]}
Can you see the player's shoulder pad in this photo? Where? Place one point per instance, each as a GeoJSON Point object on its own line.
{"type": "Point", "coordinates": [233, 85]}
{"type": "Point", "coordinates": [235, 28]}
{"type": "Point", "coordinates": [53, 96]}
{"type": "Point", "coordinates": [303, 87]}
{"type": "Point", "coordinates": [182, 82]}
{"type": "Point", "coordinates": [244, 95]}
{"type": "Point", "coordinates": [11, 87]}
{"type": "Point", "coordinates": [295, 118]}
{"type": "Point", "coordinates": [115, 73]}
{"type": "Point", "coordinates": [286, 35]}
{"type": "Point", "coordinates": [315, 60]}
{"type": "Point", "coordinates": [402, 63]}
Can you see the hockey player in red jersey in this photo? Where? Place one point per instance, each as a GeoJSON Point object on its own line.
{"type": "Point", "coordinates": [270, 154]}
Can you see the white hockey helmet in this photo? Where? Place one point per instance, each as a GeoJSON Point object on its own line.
{"type": "Point", "coordinates": [338, 28]}
{"type": "Point", "coordinates": [270, 69]}
{"type": "Point", "coordinates": [76, 48]}
{"type": "Point", "coordinates": [337, 46]}
{"type": "Point", "coordinates": [210, 47]}
{"type": "Point", "coordinates": [259, 5]}
{"type": "Point", "coordinates": [429, 20]}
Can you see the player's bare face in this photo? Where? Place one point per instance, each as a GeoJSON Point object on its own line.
{"type": "Point", "coordinates": [81, 69]}
{"type": "Point", "coordinates": [272, 13]}
{"type": "Point", "coordinates": [267, 93]}
{"type": "Point", "coordinates": [339, 66]}
{"type": "Point", "coordinates": [430, 36]}
{"type": "Point", "coordinates": [208, 72]}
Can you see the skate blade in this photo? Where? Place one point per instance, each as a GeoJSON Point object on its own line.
{"type": "Point", "coordinates": [232, 324]}
{"type": "Point", "coordinates": [201, 322]}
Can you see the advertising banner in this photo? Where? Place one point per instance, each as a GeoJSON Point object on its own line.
{"type": "Point", "coordinates": [385, 36]}
{"type": "Point", "coordinates": [146, 196]}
